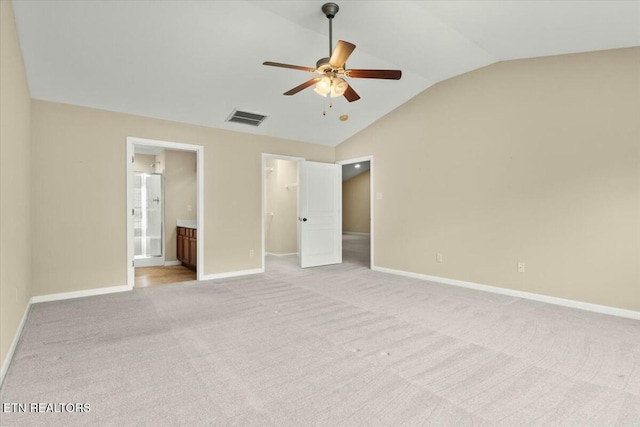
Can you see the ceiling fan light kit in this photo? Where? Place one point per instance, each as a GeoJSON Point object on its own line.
{"type": "Point", "coordinates": [333, 86]}
{"type": "Point", "coordinates": [332, 69]}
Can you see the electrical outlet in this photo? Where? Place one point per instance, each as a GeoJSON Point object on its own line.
{"type": "Point", "coordinates": [251, 253]}
{"type": "Point", "coordinates": [189, 208]}
{"type": "Point", "coordinates": [521, 267]}
{"type": "Point", "coordinates": [439, 257]}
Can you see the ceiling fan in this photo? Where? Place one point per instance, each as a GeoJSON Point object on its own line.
{"type": "Point", "coordinates": [333, 69]}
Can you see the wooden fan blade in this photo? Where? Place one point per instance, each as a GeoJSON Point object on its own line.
{"type": "Point", "coordinates": [375, 74]}
{"type": "Point", "coordinates": [341, 53]}
{"type": "Point", "coordinates": [302, 86]}
{"type": "Point", "coordinates": [294, 67]}
{"type": "Point", "coordinates": [351, 94]}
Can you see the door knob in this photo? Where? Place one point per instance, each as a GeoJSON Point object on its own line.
{"type": "Point", "coordinates": [304, 219]}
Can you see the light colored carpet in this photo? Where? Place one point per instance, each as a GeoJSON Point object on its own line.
{"type": "Point", "coordinates": [337, 345]}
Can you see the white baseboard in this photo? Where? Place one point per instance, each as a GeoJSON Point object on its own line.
{"type": "Point", "coordinates": [14, 343]}
{"type": "Point", "coordinates": [272, 254]}
{"type": "Point", "coordinates": [356, 234]}
{"type": "Point", "coordinates": [79, 294]}
{"type": "Point", "coordinates": [604, 309]}
{"type": "Point", "coordinates": [172, 263]}
{"type": "Point", "coordinates": [232, 274]}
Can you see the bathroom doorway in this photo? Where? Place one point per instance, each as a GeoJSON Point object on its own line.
{"type": "Point", "coordinates": [164, 199]}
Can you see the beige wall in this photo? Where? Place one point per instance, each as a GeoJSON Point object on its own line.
{"type": "Point", "coordinates": [180, 192]}
{"type": "Point", "coordinates": [79, 228]}
{"type": "Point", "coordinates": [356, 204]}
{"type": "Point", "coordinates": [143, 162]}
{"type": "Point", "coordinates": [281, 206]}
{"type": "Point", "coordinates": [15, 182]}
{"type": "Point", "coordinates": [160, 161]}
{"type": "Point", "coordinates": [531, 160]}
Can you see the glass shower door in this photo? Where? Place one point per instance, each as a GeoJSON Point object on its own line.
{"type": "Point", "coordinates": [148, 219]}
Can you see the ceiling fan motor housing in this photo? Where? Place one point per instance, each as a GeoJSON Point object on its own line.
{"type": "Point", "coordinates": [322, 64]}
{"type": "Point", "coordinates": [330, 9]}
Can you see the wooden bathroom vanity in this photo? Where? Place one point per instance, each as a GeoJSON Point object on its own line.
{"type": "Point", "coordinates": [187, 247]}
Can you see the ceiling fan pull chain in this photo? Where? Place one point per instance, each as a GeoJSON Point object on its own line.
{"type": "Point", "coordinates": [329, 94]}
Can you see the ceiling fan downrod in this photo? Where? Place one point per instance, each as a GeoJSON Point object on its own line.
{"type": "Point", "coordinates": [330, 10]}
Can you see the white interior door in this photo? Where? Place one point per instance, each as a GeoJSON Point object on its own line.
{"type": "Point", "coordinates": [320, 214]}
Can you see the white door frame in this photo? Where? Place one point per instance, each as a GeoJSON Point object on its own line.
{"type": "Point", "coordinates": [132, 142]}
{"type": "Point", "coordinates": [263, 166]}
{"type": "Point", "coordinates": [371, 199]}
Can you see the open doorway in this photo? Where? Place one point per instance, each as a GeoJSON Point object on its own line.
{"type": "Point", "coordinates": [164, 209]}
{"type": "Point", "coordinates": [280, 201]}
{"type": "Point", "coordinates": [306, 199]}
{"type": "Point", "coordinates": [357, 211]}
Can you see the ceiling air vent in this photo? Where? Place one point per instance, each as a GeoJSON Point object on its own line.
{"type": "Point", "coordinates": [245, 117]}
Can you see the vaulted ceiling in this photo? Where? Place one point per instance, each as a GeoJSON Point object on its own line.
{"type": "Point", "coordinates": [195, 61]}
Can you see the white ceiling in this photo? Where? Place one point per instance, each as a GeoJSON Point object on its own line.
{"type": "Point", "coordinates": [195, 61]}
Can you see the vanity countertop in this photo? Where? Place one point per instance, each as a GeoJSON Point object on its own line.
{"type": "Point", "coordinates": [188, 223]}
